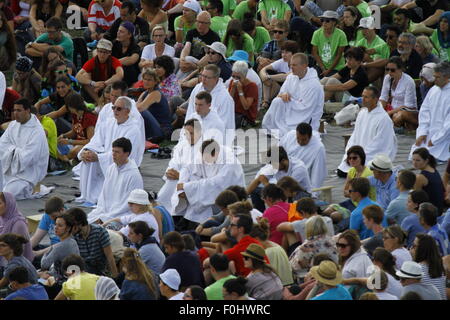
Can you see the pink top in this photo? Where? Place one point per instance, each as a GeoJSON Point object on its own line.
{"type": "Point", "coordinates": [276, 214]}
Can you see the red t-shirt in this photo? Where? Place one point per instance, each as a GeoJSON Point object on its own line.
{"type": "Point", "coordinates": [11, 96]}
{"type": "Point", "coordinates": [89, 67]}
{"type": "Point", "coordinates": [80, 126]}
{"type": "Point", "coordinates": [234, 254]}
{"type": "Point", "coordinates": [276, 214]}
{"type": "Point", "coordinates": [250, 90]}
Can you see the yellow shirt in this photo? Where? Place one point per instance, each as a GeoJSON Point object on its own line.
{"type": "Point", "coordinates": [52, 137]}
{"type": "Point", "coordinates": [80, 287]}
{"type": "Point", "coordinates": [366, 173]}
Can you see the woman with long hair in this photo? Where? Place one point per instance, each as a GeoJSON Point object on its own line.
{"type": "Point", "coordinates": [426, 253]}
{"type": "Point", "coordinates": [236, 39]}
{"type": "Point", "coordinates": [441, 37]}
{"type": "Point", "coordinates": [263, 283]}
{"type": "Point", "coordinates": [56, 68]}
{"type": "Point", "coordinates": [52, 54]}
{"type": "Point", "coordinates": [349, 24]}
{"type": "Point", "coordinates": [8, 49]}
{"type": "Point", "coordinates": [41, 11]}
{"type": "Point", "coordinates": [424, 48]}
{"type": "Point", "coordinates": [353, 259]}
{"type": "Point", "coordinates": [429, 179]}
{"type": "Point", "coordinates": [384, 260]}
{"type": "Point", "coordinates": [139, 283]}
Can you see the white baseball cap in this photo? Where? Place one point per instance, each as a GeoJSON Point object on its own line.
{"type": "Point", "coordinates": [171, 278]}
{"type": "Point", "coordinates": [139, 196]}
{"type": "Point", "coordinates": [193, 5]}
{"type": "Point", "coordinates": [367, 23]}
{"type": "Point", "coordinates": [427, 71]}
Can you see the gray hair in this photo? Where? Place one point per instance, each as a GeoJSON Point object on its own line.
{"type": "Point", "coordinates": [240, 67]}
{"type": "Point", "coordinates": [443, 68]}
{"type": "Point", "coordinates": [126, 102]}
{"type": "Point", "coordinates": [410, 36]}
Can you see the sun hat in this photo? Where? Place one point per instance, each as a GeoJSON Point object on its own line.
{"type": "Point", "coordinates": [367, 23]}
{"type": "Point", "coordinates": [330, 14]}
{"type": "Point", "coordinates": [381, 162]}
{"type": "Point", "coordinates": [171, 278]}
{"type": "Point", "coordinates": [193, 5]}
{"type": "Point", "coordinates": [255, 251]}
{"type": "Point", "coordinates": [129, 26]}
{"type": "Point", "coordinates": [218, 47]}
{"type": "Point", "coordinates": [239, 55]}
{"type": "Point", "coordinates": [411, 270]}
{"type": "Point", "coordinates": [104, 44]}
{"type": "Point", "coordinates": [24, 64]}
{"type": "Point", "coordinates": [427, 71]}
{"type": "Point", "coordinates": [138, 196]}
{"type": "Point", "coordinates": [327, 273]}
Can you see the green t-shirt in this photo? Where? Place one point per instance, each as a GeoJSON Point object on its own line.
{"type": "Point", "coordinates": [247, 46]}
{"type": "Point", "coordinates": [381, 47]}
{"type": "Point", "coordinates": [442, 53]}
{"type": "Point", "coordinates": [214, 291]}
{"type": "Point", "coordinates": [219, 25]}
{"type": "Point", "coordinates": [186, 28]}
{"type": "Point", "coordinates": [241, 9]}
{"type": "Point", "coordinates": [359, 36]}
{"type": "Point", "coordinates": [228, 6]}
{"type": "Point", "coordinates": [328, 47]}
{"type": "Point", "coordinates": [66, 43]}
{"type": "Point", "coordinates": [262, 36]}
{"type": "Point", "coordinates": [274, 8]}
{"type": "Point", "coordinates": [52, 136]}
{"type": "Point", "coordinates": [364, 9]}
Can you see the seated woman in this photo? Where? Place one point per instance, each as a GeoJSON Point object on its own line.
{"type": "Point", "coordinates": [54, 255]}
{"type": "Point", "coordinates": [262, 282]}
{"type": "Point", "coordinates": [441, 37]}
{"type": "Point", "coordinates": [154, 108]}
{"type": "Point", "coordinates": [54, 104]}
{"type": "Point", "coordinates": [165, 69]}
{"type": "Point", "coordinates": [8, 48]}
{"type": "Point", "coordinates": [157, 49]}
{"type": "Point", "coordinates": [52, 54]}
{"type": "Point", "coordinates": [245, 95]}
{"type": "Point", "coordinates": [41, 11]}
{"type": "Point", "coordinates": [236, 39]}
{"type": "Point", "coordinates": [83, 127]}
{"type": "Point", "coordinates": [127, 51]}
{"type": "Point", "coordinates": [424, 48]}
{"type": "Point", "coordinates": [275, 73]}
{"type": "Point", "coordinates": [11, 251]}
{"type": "Point", "coordinates": [398, 95]}
{"type": "Point", "coordinates": [351, 79]}
{"type": "Point", "coordinates": [350, 23]}
{"type": "Point", "coordinates": [277, 210]}
{"type": "Point", "coordinates": [53, 70]}
{"type": "Point", "coordinates": [153, 14]}
{"type": "Point", "coordinates": [142, 239]}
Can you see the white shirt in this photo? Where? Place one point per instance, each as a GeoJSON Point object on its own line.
{"type": "Point", "coordinates": [280, 66]}
{"type": "Point", "coordinates": [149, 53]}
{"type": "Point", "coordinates": [401, 255]}
{"type": "Point", "coordinates": [403, 95]}
{"type": "Point", "coordinates": [2, 89]}
{"type": "Point", "coordinates": [178, 296]}
{"type": "Point", "coordinates": [147, 217]}
{"type": "Point", "coordinates": [385, 296]}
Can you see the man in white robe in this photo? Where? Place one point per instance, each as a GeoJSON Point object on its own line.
{"type": "Point", "coordinates": [182, 155]}
{"type": "Point", "coordinates": [222, 102]}
{"type": "Point", "coordinates": [96, 156]}
{"type": "Point", "coordinates": [433, 132]}
{"type": "Point", "coordinates": [215, 169]}
{"type": "Point", "coordinates": [24, 152]}
{"type": "Point", "coordinates": [2, 88]}
{"type": "Point", "coordinates": [304, 145]}
{"type": "Point", "coordinates": [121, 178]}
{"type": "Point", "coordinates": [279, 165]}
{"type": "Point", "coordinates": [212, 125]}
{"type": "Point", "coordinates": [374, 130]}
{"type": "Point", "coordinates": [301, 99]}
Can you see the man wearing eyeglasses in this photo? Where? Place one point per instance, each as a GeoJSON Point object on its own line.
{"type": "Point", "coordinates": [96, 156]}
{"type": "Point", "coordinates": [196, 42]}
{"type": "Point", "coordinates": [54, 37]}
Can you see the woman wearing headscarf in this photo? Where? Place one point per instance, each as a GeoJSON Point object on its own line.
{"type": "Point", "coordinates": [12, 221]}
{"type": "Point", "coordinates": [441, 37]}
{"type": "Point", "coordinates": [106, 289]}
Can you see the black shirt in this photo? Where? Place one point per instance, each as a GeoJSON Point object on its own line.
{"type": "Point", "coordinates": [131, 72]}
{"type": "Point", "coordinates": [188, 266]}
{"type": "Point", "coordinates": [428, 9]}
{"type": "Point", "coordinates": [360, 77]}
{"type": "Point", "coordinates": [373, 243]}
{"type": "Point", "coordinates": [225, 69]}
{"type": "Point", "coordinates": [141, 30]}
{"type": "Point", "coordinates": [198, 42]}
{"type": "Point", "coordinates": [414, 64]}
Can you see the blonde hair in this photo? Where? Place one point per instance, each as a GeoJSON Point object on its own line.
{"type": "Point", "coordinates": [315, 226]}
{"type": "Point", "coordinates": [137, 270]}
{"type": "Point", "coordinates": [241, 207]}
{"type": "Point", "coordinates": [158, 27]}
{"type": "Point", "coordinates": [425, 43]}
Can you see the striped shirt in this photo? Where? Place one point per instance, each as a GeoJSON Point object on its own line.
{"type": "Point", "coordinates": [91, 249]}
{"type": "Point", "coordinates": [97, 14]}
{"type": "Point", "coordinates": [439, 282]}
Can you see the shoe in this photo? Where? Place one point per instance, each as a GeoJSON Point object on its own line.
{"type": "Point", "coordinates": [88, 204]}
{"type": "Point", "coordinates": [79, 199]}
{"type": "Point", "coordinates": [400, 130]}
{"type": "Point", "coordinates": [92, 45]}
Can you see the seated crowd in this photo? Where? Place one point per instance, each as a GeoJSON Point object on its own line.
{"type": "Point", "coordinates": [199, 71]}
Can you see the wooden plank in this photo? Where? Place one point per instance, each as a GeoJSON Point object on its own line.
{"type": "Point", "coordinates": [33, 222]}
{"type": "Point", "coordinates": [325, 193]}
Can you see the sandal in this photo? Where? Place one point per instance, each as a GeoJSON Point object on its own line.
{"type": "Point", "coordinates": [265, 105]}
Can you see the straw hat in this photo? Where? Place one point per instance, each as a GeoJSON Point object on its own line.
{"type": "Point", "coordinates": [255, 251]}
{"type": "Point", "coordinates": [327, 273]}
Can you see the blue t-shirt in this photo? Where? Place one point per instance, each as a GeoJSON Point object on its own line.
{"type": "Point", "coordinates": [385, 192]}
{"type": "Point", "coordinates": [445, 222]}
{"type": "Point", "coordinates": [356, 219]}
{"type": "Point", "coordinates": [441, 238]}
{"type": "Point", "coordinates": [411, 225]}
{"type": "Point", "coordinates": [47, 224]}
{"type": "Point", "coordinates": [338, 293]}
{"type": "Point", "coordinates": [135, 290]}
{"type": "Point", "coordinates": [33, 292]}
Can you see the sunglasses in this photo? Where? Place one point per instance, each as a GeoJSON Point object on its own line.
{"type": "Point", "coordinates": [117, 108]}
{"type": "Point", "coordinates": [277, 31]}
{"type": "Point", "coordinates": [342, 245]}
{"type": "Point", "coordinates": [246, 258]}
{"type": "Point", "coordinates": [326, 20]}
{"type": "Point", "coordinates": [212, 52]}
{"type": "Point", "coordinates": [391, 69]}
{"type": "Point", "coordinates": [61, 71]}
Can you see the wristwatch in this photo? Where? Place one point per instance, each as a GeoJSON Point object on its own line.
{"type": "Point", "coordinates": [92, 83]}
